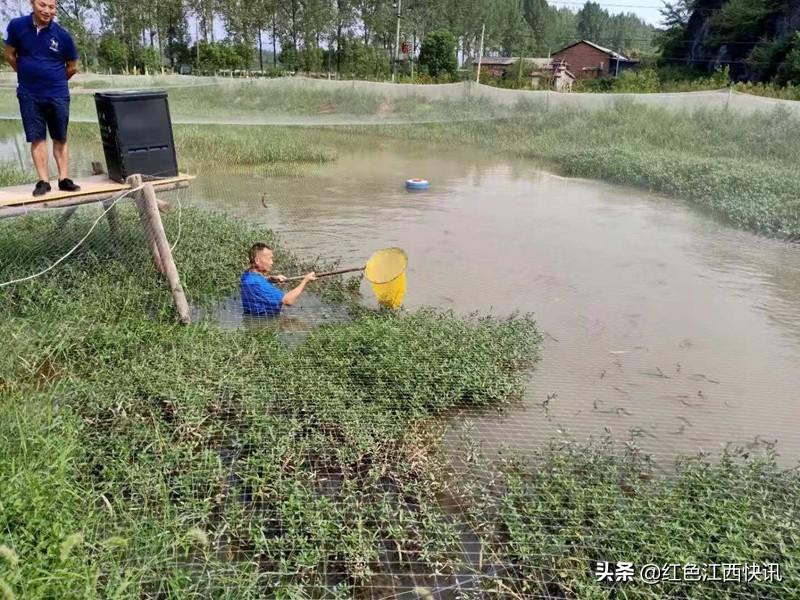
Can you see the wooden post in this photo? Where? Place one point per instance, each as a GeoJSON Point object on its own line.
{"type": "Point", "coordinates": [480, 55]}
{"type": "Point", "coordinates": [108, 205]}
{"type": "Point", "coordinates": [135, 181]}
{"type": "Point", "coordinates": [157, 227]}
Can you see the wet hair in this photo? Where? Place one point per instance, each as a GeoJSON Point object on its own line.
{"type": "Point", "coordinates": [256, 249]}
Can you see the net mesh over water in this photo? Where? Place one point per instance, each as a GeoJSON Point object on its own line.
{"type": "Point", "coordinates": [345, 450]}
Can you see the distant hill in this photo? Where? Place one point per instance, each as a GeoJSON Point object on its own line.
{"type": "Point", "coordinates": [759, 40]}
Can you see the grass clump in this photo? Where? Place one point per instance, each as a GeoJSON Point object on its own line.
{"type": "Point", "coordinates": [559, 511]}
{"type": "Point", "coordinates": [272, 150]}
{"type": "Point", "coordinates": [11, 176]}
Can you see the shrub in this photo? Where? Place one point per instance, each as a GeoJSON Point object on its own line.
{"type": "Point", "coordinates": [112, 53]}
{"type": "Point", "coordinates": [147, 59]}
{"type": "Point", "coordinates": [355, 59]}
{"type": "Point", "coordinates": [438, 53]}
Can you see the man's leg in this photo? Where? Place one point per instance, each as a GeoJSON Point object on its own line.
{"type": "Point", "coordinates": [33, 121]}
{"type": "Point", "coordinates": [58, 124]}
{"type": "Point", "coordinates": [61, 154]}
{"type": "Point", "coordinates": [39, 155]}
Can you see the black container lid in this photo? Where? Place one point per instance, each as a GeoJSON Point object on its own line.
{"type": "Point", "coordinates": [131, 94]}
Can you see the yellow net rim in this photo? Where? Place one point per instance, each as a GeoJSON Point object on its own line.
{"type": "Point", "coordinates": [400, 274]}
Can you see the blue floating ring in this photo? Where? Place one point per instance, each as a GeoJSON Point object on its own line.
{"type": "Point", "coordinates": [417, 184]}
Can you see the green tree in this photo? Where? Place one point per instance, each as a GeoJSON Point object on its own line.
{"type": "Point", "coordinates": [470, 18]}
{"type": "Point", "coordinates": [767, 58]}
{"type": "Point", "coordinates": [85, 42]}
{"type": "Point", "coordinates": [363, 62]}
{"type": "Point", "coordinates": [438, 53]}
{"type": "Point", "coordinates": [288, 58]}
{"type": "Point", "coordinates": [204, 11]}
{"type": "Point", "coordinates": [506, 28]}
{"type": "Point", "coordinates": [628, 34]}
{"type": "Point", "coordinates": [789, 70]}
{"type": "Point", "coordinates": [241, 19]}
{"type": "Point", "coordinates": [112, 53]}
{"type": "Point", "coordinates": [592, 21]}
{"type": "Point", "coordinates": [218, 56]}
{"type": "Point", "coordinates": [173, 33]}
{"type": "Point", "coordinates": [344, 18]}
{"type": "Point", "coordinates": [318, 19]}
{"type": "Point", "coordinates": [311, 60]}
{"type": "Point", "coordinates": [562, 30]}
{"type": "Point", "coordinates": [289, 24]}
{"type": "Point", "coordinates": [539, 17]}
{"type": "Point", "coordinates": [675, 16]}
{"type": "Point", "coordinates": [147, 59]}
{"type": "Point", "coordinates": [741, 20]}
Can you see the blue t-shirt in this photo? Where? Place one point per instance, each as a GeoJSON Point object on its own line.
{"type": "Point", "coordinates": [42, 57]}
{"type": "Point", "coordinates": [259, 296]}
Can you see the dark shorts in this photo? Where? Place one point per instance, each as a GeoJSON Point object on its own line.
{"type": "Point", "coordinates": [40, 115]}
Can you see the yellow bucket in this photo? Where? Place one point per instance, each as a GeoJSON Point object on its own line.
{"type": "Point", "coordinates": [386, 272]}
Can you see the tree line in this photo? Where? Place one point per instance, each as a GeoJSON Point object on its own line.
{"type": "Point", "coordinates": [345, 36]}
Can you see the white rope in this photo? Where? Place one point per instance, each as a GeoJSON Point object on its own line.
{"type": "Point", "coordinates": [76, 246]}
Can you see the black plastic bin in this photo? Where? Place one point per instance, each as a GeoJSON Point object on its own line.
{"type": "Point", "coordinates": [136, 132]}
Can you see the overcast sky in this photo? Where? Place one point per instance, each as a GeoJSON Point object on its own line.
{"type": "Point", "coordinates": [647, 10]}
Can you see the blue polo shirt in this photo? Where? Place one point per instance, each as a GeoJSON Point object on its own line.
{"type": "Point", "coordinates": [259, 296]}
{"type": "Point", "coordinates": [41, 57]}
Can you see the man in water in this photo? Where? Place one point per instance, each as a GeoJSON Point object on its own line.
{"type": "Point", "coordinates": [45, 58]}
{"type": "Point", "coordinates": [259, 296]}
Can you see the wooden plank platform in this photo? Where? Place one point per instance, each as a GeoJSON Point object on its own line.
{"type": "Point", "coordinates": [94, 187]}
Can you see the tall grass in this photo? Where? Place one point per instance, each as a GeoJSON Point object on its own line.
{"type": "Point", "coordinates": [570, 505]}
{"type": "Point", "coordinates": [258, 102]}
{"type": "Point", "coordinates": [11, 175]}
{"type": "Point", "coordinates": [139, 457]}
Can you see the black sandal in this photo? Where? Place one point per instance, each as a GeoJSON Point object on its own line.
{"type": "Point", "coordinates": [42, 187]}
{"type": "Point", "coordinates": [67, 185]}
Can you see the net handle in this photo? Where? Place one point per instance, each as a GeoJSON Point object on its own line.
{"type": "Point", "coordinates": [328, 273]}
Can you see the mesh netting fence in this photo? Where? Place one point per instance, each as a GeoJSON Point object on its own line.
{"type": "Point", "coordinates": [300, 100]}
{"type": "Point", "coordinates": [340, 450]}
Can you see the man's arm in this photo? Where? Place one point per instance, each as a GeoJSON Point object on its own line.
{"type": "Point", "coordinates": [72, 68]}
{"type": "Point", "coordinates": [291, 296]}
{"type": "Point", "coordinates": [10, 54]}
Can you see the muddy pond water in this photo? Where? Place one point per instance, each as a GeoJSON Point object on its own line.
{"type": "Point", "coordinates": [660, 322]}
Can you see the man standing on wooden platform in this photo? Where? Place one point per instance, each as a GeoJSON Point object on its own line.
{"type": "Point", "coordinates": [45, 58]}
